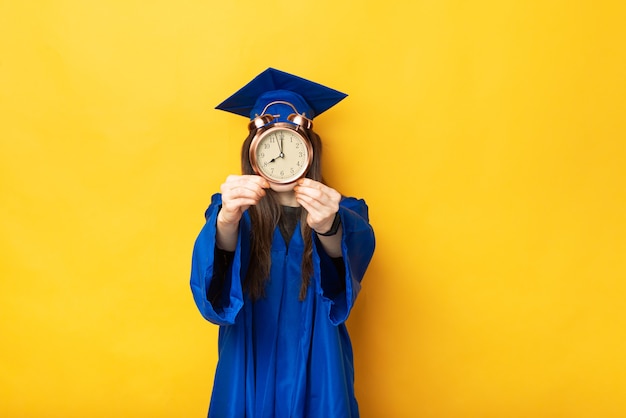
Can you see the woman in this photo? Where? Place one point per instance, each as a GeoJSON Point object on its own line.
{"type": "Point", "coordinates": [278, 267]}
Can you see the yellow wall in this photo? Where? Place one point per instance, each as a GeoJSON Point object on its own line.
{"type": "Point", "coordinates": [488, 138]}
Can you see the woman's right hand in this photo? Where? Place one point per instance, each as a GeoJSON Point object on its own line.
{"type": "Point", "coordinates": [238, 194]}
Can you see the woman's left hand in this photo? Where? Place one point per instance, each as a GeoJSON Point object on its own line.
{"type": "Point", "coordinates": [320, 201]}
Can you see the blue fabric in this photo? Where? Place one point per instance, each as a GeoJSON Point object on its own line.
{"type": "Point", "coordinates": [279, 110]}
{"type": "Point", "coordinates": [313, 98]}
{"type": "Point", "coordinates": [282, 357]}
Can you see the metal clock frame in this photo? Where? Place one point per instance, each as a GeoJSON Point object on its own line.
{"type": "Point", "coordinates": [265, 126]}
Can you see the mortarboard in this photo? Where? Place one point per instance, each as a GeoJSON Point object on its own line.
{"type": "Point", "coordinates": [308, 97]}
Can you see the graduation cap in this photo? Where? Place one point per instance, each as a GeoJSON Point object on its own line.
{"type": "Point", "coordinates": [309, 98]}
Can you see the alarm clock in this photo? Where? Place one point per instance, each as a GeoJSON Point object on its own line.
{"type": "Point", "coordinates": [281, 152]}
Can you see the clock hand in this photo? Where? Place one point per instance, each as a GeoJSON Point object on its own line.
{"type": "Point", "coordinates": [281, 155]}
{"type": "Point", "coordinates": [280, 148]}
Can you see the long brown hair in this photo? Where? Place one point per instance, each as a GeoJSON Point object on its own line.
{"type": "Point", "coordinates": [265, 216]}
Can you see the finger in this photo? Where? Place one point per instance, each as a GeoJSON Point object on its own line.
{"type": "Point", "coordinates": [311, 188]}
{"type": "Point", "coordinates": [234, 208]}
{"type": "Point", "coordinates": [243, 187]}
{"type": "Point", "coordinates": [316, 209]}
{"type": "Point", "coordinates": [258, 180]}
{"type": "Point", "coordinates": [248, 179]}
{"type": "Point", "coordinates": [323, 196]}
{"type": "Point", "coordinates": [245, 190]}
{"type": "Point", "coordinates": [240, 204]}
{"type": "Point", "coordinates": [307, 203]}
{"type": "Point", "coordinates": [317, 220]}
{"type": "Point", "coordinates": [313, 193]}
{"type": "Point", "coordinates": [307, 182]}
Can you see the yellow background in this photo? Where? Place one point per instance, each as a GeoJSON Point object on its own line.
{"type": "Point", "coordinates": [488, 138]}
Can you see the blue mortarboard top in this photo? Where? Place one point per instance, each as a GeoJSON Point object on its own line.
{"type": "Point", "coordinates": [309, 98]}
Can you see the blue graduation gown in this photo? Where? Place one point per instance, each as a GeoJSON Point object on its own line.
{"type": "Point", "coordinates": [279, 356]}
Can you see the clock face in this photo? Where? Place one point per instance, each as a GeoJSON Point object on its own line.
{"type": "Point", "coordinates": [281, 155]}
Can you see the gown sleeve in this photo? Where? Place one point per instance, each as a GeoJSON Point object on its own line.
{"type": "Point", "coordinates": [215, 282]}
{"type": "Point", "coordinates": [339, 291]}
